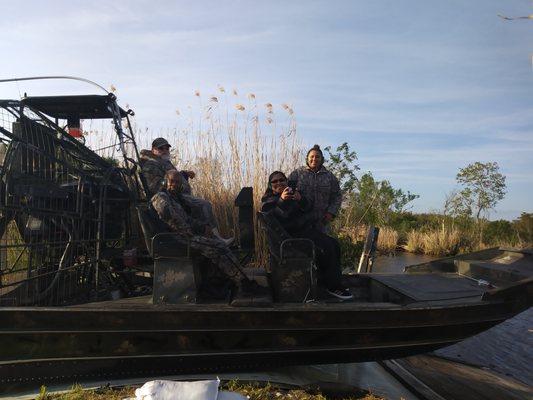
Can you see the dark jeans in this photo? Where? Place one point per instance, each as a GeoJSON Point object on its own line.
{"type": "Point", "coordinates": [328, 255]}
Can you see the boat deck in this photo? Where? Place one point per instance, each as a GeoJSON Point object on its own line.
{"type": "Point", "coordinates": [415, 290]}
{"type": "Point", "coordinates": [432, 287]}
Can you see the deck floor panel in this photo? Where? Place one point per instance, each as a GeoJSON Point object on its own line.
{"type": "Point", "coordinates": [432, 287]}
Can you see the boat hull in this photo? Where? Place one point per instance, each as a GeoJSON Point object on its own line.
{"type": "Point", "coordinates": [46, 345]}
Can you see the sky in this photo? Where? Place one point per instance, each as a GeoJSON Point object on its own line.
{"type": "Point", "coordinates": [419, 89]}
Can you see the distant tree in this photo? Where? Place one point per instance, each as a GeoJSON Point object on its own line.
{"type": "Point", "coordinates": [375, 202]}
{"type": "Point", "coordinates": [483, 186]}
{"type": "Point", "coordinates": [367, 200]}
{"type": "Point", "coordinates": [498, 232]}
{"type": "Point", "coordinates": [524, 227]}
{"type": "Point", "coordinates": [457, 204]}
{"type": "Point", "coordinates": [342, 164]}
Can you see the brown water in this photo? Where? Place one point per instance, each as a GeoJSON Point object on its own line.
{"type": "Point", "coordinates": [507, 348]}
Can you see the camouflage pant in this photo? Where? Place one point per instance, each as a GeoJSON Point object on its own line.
{"type": "Point", "coordinates": [201, 209]}
{"type": "Point", "coordinates": [219, 253]}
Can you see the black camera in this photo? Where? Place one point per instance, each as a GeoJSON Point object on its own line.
{"type": "Point", "coordinates": [292, 184]}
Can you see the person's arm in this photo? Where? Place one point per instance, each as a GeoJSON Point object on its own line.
{"type": "Point", "coordinates": [275, 205]}
{"type": "Point", "coordinates": [172, 214]}
{"type": "Point", "coordinates": [335, 196]}
{"type": "Point", "coordinates": [269, 203]}
{"type": "Point", "coordinates": [154, 176]}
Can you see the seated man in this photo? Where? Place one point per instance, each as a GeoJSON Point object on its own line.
{"type": "Point", "coordinates": [156, 163]}
{"type": "Point", "coordinates": [169, 205]}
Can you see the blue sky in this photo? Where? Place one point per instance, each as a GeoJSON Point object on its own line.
{"type": "Point", "coordinates": [418, 88]}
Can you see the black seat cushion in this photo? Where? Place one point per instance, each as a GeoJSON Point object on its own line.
{"type": "Point", "coordinates": [151, 224]}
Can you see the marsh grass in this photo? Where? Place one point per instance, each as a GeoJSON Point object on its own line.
{"type": "Point", "coordinates": [234, 145]}
{"type": "Point", "coordinates": [414, 241]}
{"type": "Point", "coordinates": [387, 240]}
{"type": "Point", "coordinates": [442, 241]}
{"type": "Point", "coordinates": [445, 241]}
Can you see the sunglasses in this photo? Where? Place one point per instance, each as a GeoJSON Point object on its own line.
{"type": "Point", "coordinates": [281, 180]}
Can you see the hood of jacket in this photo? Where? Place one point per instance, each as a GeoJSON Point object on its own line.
{"type": "Point", "coordinates": [147, 155]}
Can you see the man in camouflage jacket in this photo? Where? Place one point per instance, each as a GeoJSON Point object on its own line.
{"type": "Point", "coordinates": [320, 186]}
{"type": "Point", "coordinates": [169, 206]}
{"type": "Point", "coordinates": [156, 162]}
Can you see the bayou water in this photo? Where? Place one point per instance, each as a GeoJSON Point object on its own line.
{"type": "Point", "coordinates": [506, 349]}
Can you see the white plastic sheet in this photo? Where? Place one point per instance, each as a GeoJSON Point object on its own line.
{"type": "Point", "coordinates": [223, 395]}
{"type": "Point", "coordinates": [170, 390]}
{"type": "Point", "coordinates": [197, 390]}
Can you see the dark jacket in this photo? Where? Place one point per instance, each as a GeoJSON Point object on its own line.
{"type": "Point", "coordinates": [321, 187]}
{"type": "Point", "coordinates": [294, 216]}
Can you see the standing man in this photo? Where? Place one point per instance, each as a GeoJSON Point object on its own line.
{"type": "Point", "coordinates": [320, 186]}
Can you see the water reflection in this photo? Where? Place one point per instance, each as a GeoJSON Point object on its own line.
{"type": "Point", "coordinates": [396, 262]}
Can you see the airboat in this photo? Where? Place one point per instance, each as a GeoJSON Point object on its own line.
{"type": "Point", "coordinates": [92, 287]}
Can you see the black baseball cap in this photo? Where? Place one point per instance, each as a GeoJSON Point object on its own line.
{"type": "Point", "coordinates": [160, 142]}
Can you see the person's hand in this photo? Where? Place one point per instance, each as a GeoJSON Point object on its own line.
{"type": "Point", "coordinates": [190, 174]}
{"type": "Point", "coordinates": [297, 196]}
{"type": "Point", "coordinates": [328, 217]}
{"type": "Point", "coordinates": [287, 194]}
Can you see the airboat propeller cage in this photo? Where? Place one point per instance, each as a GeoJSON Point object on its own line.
{"type": "Point", "coordinates": [63, 208]}
{"type": "Point", "coordinates": [80, 107]}
{"type": "Point", "coordinates": [75, 108]}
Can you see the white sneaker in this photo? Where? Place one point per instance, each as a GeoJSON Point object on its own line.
{"type": "Point", "coordinates": [341, 293]}
{"type": "Point", "coordinates": [227, 241]}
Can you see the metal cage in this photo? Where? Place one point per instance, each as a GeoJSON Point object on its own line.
{"type": "Point", "coordinates": [64, 210]}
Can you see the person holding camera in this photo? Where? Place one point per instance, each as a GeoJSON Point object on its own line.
{"type": "Point", "coordinates": [294, 212]}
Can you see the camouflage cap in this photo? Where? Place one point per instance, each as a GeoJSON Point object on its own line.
{"type": "Point", "coordinates": [160, 142]}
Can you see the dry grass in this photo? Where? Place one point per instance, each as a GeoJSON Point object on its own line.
{"type": "Point", "coordinates": [77, 393]}
{"type": "Point", "coordinates": [441, 242]}
{"type": "Point", "coordinates": [438, 242]}
{"type": "Point", "coordinates": [353, 233]}
{"type": "Point", "coordinates": [414, 242]}
{"type": "Point", "coordinates": [232, 149]}
{"type": "Point", "coordinates": [387, 239]}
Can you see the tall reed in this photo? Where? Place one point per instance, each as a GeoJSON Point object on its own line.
{"type": "Point", "coordinates": [387, 239]}
{"type": "Point", "coordinates": [414, 241]}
